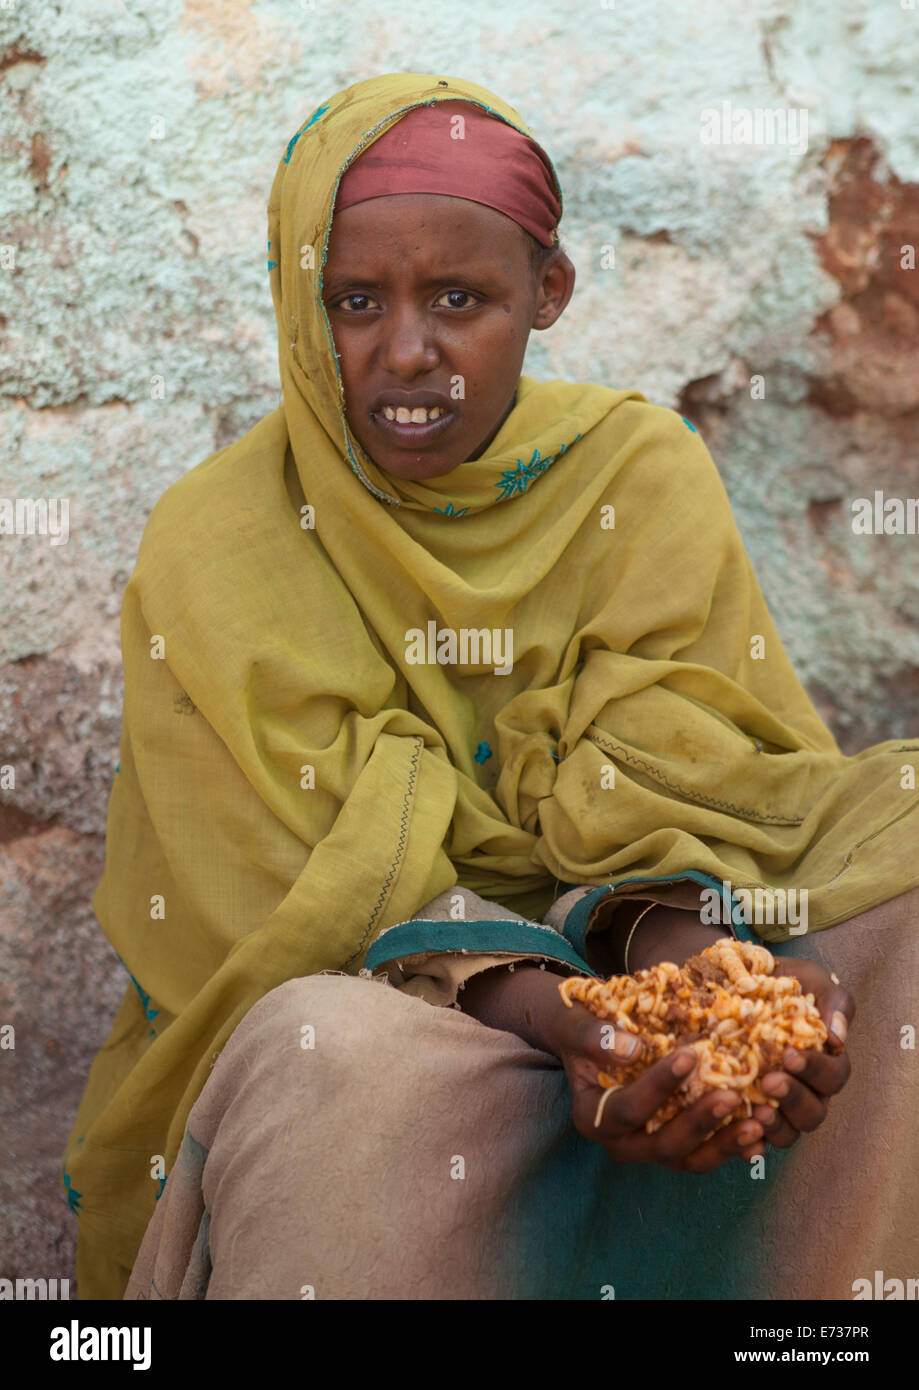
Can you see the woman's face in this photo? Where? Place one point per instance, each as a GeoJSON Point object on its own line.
{"type": "Point", "coordinates": [431, 301]}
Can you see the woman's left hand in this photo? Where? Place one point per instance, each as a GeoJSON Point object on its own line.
{"type": "Point", "coordinates": [803, 1089]}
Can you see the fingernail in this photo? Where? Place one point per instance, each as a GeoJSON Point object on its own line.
{"type": "Point", "coordinates": [721, 1109]}
{"type": "Point", "coordinates": [626, 1046]}
{"type": "Point", "coordinates": [776, 1087]}
{"type": "Point", "coordinates": [839, 1026]}
{"type": "Point", "coordinates": [749, 1133]}
{"type": "Point", "coordinates": [684, 1063]}
{"type": "Point", "coordinates": [794, 1061]}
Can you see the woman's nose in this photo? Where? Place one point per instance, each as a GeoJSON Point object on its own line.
{"type": "Point", "coordinates": [409, 345]}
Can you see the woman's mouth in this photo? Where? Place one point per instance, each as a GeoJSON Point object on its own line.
{"type": "Point", "coordinates": [418, 415]}
{"type": "Point", "coordinates": [412, 428]}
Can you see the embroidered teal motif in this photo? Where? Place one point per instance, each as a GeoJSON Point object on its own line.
{"type": "Point", "coordinates": [144, 999]}
{"type": "Point", "coordinates": [320, 111]}
{"type": "Point", "coordinates": [449, 511]}
{"type": "Point", "coordinates": [162, 1183]}
{"type": "Point", "coordinates": [556, 756]}
{"type": "Point", "coordinates": [687, 422]}
{"type": "Point", "coordinates": [118, 765]}
{"type": "Point", "coordinates": [515, 481]}
{"type": "Point", "coordinates": [271, 264]}
{"type": "Point", "coordinates": [483, 753]}
{"type": "Point", "coordinates": [73, 1196]}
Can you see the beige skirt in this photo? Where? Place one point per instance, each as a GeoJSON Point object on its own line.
{"type": "Point", "coordinates": [355, 1142]}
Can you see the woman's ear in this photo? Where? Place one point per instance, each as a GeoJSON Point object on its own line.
{"type": "Point", "coordinates": [555, 288]}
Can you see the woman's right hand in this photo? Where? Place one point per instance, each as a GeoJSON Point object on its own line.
{"type": "Point", "coordinates": [527, 1002]}
{"type": "Point", "coordinates": [586, 1045]}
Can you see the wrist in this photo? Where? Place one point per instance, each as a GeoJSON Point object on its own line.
{"type": "Point", "coordinates": [669, 933]}
{"type": "Point", "coordinates": [522, 1000]}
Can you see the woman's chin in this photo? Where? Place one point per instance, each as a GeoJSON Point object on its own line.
{"type": "Point", "coordinates": [419, 472]}
{"type": "Point", "coordinates": [411, 465]}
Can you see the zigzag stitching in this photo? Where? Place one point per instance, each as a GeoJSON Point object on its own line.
{"type": "Point", "coordinates": [400, 848]}
{"type": "Point", "coordinates": [694, 796]}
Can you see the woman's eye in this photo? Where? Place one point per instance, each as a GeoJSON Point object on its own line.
{"type": "Point", "coordinates": [363, 301]}
{"type": "Point", "coordinates": [358, 303]}
{"type": "Point", "coordinates": [454, 295]}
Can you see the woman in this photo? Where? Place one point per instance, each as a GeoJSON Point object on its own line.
{"type": "Point", "coordinates": [429, 696]}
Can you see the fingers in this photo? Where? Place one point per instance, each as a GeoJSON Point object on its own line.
{"type": "Point", "coordinates": [822, 1072]}
{"type": "Point", "coordinates": [809, 1076]}
{"type": "Point", "coordinates": [837, 1009]}
{"type": "Point", "coordinates": [740, 1139]}
{"type": "Point", "coordinates": [695, 1140]}
{"type": "Point", "coordinates": [776, 1129]}
{"type": "Point", "coordinates": [799, 1105]}
{"type": "Point", "coordinates": [580, 1031]}
{"type": "Point", "coordinates": [631, 1107]}
{"type": "Point", "coordinates": [687, 1132]}
{"type": "Point", "coordinates": [836, 1005]}
{"type": "Point", "coordinates": [607, 1114]}
{"type": "Point", "coordinates": [687, 1142]}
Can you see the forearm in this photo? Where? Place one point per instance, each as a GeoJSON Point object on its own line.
{"type": "Point", "coordinates": [669, 933]}
{"type": "Point", "coordinates": [523, 1000]}
{"type": "Point", "coordinates": [515, 1001]}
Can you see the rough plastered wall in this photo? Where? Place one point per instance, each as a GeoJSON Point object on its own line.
{"type": "Point", "coordinates": [138, 144]}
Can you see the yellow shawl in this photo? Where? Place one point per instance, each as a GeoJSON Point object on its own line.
{"type": "Point", "coordinates": [291, 783]}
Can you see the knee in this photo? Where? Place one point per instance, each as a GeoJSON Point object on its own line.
{"type": "Point", "coordinates": [332, 1016]}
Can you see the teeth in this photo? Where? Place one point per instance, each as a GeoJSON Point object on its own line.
{"type": "Point", "coordinates": [417, 416]}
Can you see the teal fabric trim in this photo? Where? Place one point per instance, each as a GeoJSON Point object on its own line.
{"type": "Point", "coordinates": [476, 936]}
{"type": "Point", "coordinates": [575, 928]}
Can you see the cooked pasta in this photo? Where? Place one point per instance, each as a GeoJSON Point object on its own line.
{"type": "Point", "coordinates": [725, 1003]}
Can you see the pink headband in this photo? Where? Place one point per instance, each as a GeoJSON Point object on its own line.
{"type": "Point", "coordinates": [493, 164]}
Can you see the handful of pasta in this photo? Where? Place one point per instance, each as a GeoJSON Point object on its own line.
{"type": "Point", "coordinates": [725, 1003]}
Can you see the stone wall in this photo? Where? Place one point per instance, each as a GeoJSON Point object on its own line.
{"type": "Point", "coordinates": [761, 289]}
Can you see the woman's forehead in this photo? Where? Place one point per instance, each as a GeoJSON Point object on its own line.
{"type": "Point", "coordinates": [429, 221]}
